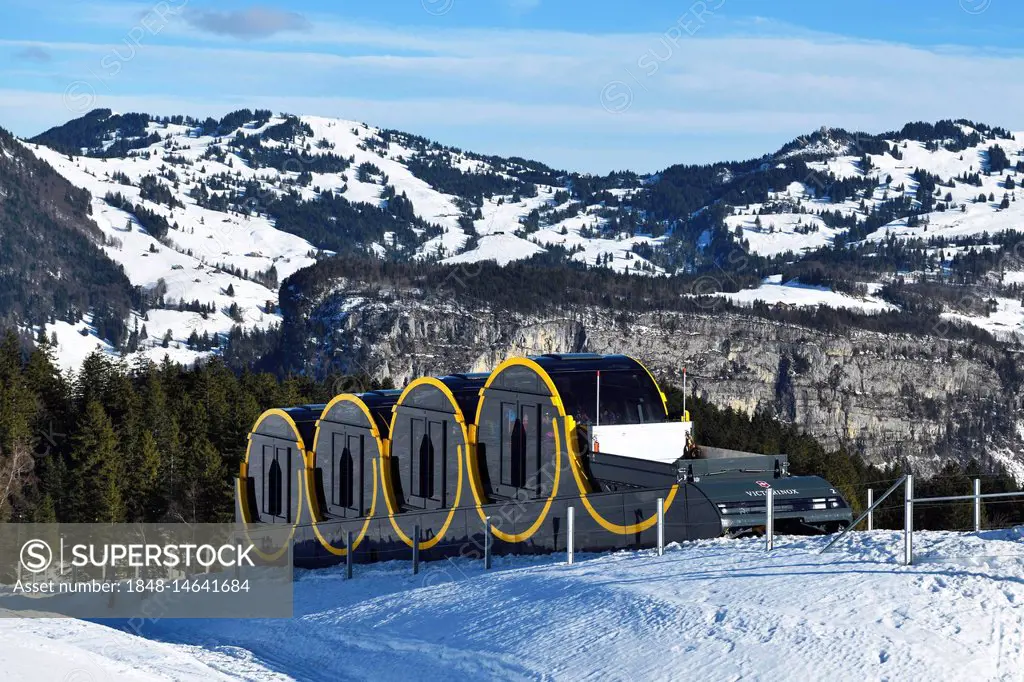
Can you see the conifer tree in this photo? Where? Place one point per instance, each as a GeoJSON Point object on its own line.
{"type": "Point", "coordinates": [96, 470]}
{"type": "Point", "coordinates": [17, 405]}
{"type": "Point", "coordinates": [144, 470]}
{"type": "Point", "coordinates": [45, 511]}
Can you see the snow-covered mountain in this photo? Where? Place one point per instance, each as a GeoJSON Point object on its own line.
{"type": "Point", "coordinates": [208, 217]}
{"type": "Point", "coordinates": [193, 213]}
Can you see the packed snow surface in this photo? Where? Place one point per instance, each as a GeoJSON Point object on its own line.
{"type": "Point", "coordinates": [709, 610]}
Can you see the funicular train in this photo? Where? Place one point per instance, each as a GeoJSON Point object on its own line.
{"type": "Point", "coordinates": [511, 450]}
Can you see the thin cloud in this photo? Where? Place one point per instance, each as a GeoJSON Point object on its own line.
{"type": "Point", "coordinates": [248, 24]}
{"type": "Point", "coordinates": [33, 54]}
{"type": "Point", "coordinates": [733, 95]}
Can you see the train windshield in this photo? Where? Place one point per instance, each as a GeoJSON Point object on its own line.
{"type": "Point", "coordinates": [627, 397]}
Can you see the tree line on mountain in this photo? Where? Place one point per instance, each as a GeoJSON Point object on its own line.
{"type": "Point", "coordinates": [951, 131]}
{"type": "Point", "coordinates": [285, 157]}
{"type": "Point", "coordinates": [525, 171]}
{"type": "Point", "coordinates": [51, 264]}
{"type": "Point", "coordinates": [155, 224]}
{"type": "Point", "coordinates": [159, 442]}
{"type": "Point", "coordinates": [335, 224]}
{"type": "Point", "coordinates": [437, 171]}
{"type": "Point", "coordinates": [104, 134]}
{"type": "Point", "coordinates": [963, 261]}
{"type": "Point", "coordinates": [100, 133]}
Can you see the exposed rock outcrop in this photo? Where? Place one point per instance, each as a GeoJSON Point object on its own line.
{"type": "Point", "coordinates": [889, 397]}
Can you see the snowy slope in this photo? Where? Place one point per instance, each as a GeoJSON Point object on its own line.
{"type": "Point", "coordinates": [207, 250]}
{"type": "Point", "coordinates": [774, 291]}
{"type": "Point", "coordinates": [1007, 322]}
{"type": "Point", "coordinates": [64, 650]}
{"type": "Point", "coordinates": [190, 262]}
{"type": "Point", "coordinates": [710, 610]}
{"type": "Point", "coordinates": [964, 217]}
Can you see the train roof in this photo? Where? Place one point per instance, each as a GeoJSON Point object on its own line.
{"type": "Point", "coordinates": [562, 363]}
{"type": "Point", "coordinates": [466, 389]}
{"type": "Point", "coordinates": [382, 399]}
{"type": "Point", "coordinates": [303, 416]}
{"type": "Point", "coordinates": [379, 404]}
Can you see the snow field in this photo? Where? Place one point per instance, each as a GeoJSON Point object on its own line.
{"type": "Point", "coordinates": [717, 609]}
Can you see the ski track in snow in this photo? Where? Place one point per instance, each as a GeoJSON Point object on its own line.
{"type": "Point", "coordinates": [710, 610]}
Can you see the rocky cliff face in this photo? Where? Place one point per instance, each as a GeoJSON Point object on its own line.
{"type": "Point", "coordinates": [888, 397]}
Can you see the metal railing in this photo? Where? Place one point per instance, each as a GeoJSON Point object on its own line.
{"type": "Point", "coordinates": [976, 498]}
{"type": "Point", "coordinates": [488, 541]}
{"type": "Point", "coordinates": [907, 482]}
{"type": "Point", "coordinates": [868, 513]}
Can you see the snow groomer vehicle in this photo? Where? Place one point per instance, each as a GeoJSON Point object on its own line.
{"type": "Point", "coordinates": [440, 462]}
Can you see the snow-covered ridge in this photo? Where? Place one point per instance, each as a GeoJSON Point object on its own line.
{"type": "Point", "coordinates": [226, 253]}
{"type": "Point", "coordinates": [958, 210]}
{"type": "Point", "coordinates": [773, 291]}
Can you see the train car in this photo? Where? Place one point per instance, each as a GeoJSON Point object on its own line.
{"type": "Point", "coordinates": [530, 455]}
{"type": "Point", "coordinates": [509, 453]}
{"type": "Point", "coordinates": [424, 471]}
{"type": "Point", "coordinates": [272, 482]}
{"type": "Point", "coordinates": [352, 436]}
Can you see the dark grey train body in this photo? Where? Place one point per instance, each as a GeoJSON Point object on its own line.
{"type": "Point", "coordinates": [512, 451]}
{"type": "Point", "coordinates": [736, 483]}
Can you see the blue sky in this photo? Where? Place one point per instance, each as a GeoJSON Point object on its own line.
{"type": "Point", "coordinates": [590, 86]}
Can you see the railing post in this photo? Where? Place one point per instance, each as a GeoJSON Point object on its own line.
{"type": "Point", "coordinates": [348, 555]}
{"type": "Point", "coordinates": [871, 512]}
{"type": "Point", "coordinates": [487, 543]}
{"type": "Point", "coordinates": [977, 505]}
{"type": "Point", "coordinates": [416, 550]}
{"type": "Point", "coordinates": [908, 522]}
{"type": "Point", "coordinates": [570, 535]}
{"type": "Point", "coordinates": [661, 526]}
{"type": "Point", "coordinates": [769, 524]}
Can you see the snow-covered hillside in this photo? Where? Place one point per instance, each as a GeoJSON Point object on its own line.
{"type": "Point", "coordinates": [710, 610]}
{"type": "Point", "coordinates": [223, 247]}
{"type": "Point", "coordinates": [208, 217]}
{"type": "Point", "coordinates": [788, 220]}
{"type": "Point", "coordinates": [203, 260]}
{"type": "Point", "coordinates": [773, 291]}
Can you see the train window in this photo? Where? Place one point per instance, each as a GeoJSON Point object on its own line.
{"type": "Point", "coordinates": [337, 446]}
{"type": "Point", "coordinates": [529, 415]}
{"type": "Point", "coordinates": [517, 450]}
{"type": "Point", "coordinates": [425, 468]}
{"type": "Point", "coordinates": [418, 431]}
{"type": "Point", "coordinates": [626, 397]}
{"type": "Point", "coordinates": [268, 460]}
{"type": "Point", "coordinates": [356, 445]}
{"type": "Point", "coordinates": [437, 460]}
{"type": "Point", "coordinates": [506, 456]}
{"type": "Point", "coordinates": [272, 500]}
{"type": "Point", "coordinates": [345, 479]}
{"type": "Point", "coordinates": [545, 452]}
